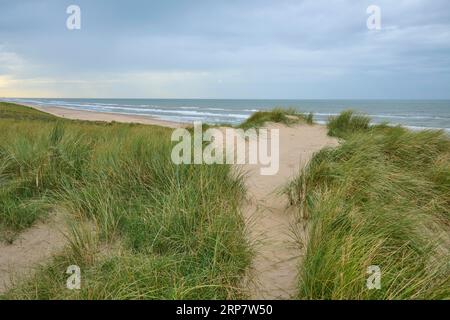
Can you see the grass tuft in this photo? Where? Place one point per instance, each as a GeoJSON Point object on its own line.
{"type": "Point", "coordinates": [279, 115]}
{"type": "Point", "coordinates": [346, 123]}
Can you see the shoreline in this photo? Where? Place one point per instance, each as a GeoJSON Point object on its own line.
{"type": "Point", "coordinates": [88, 115]}
{"type": "Point", "coordinates": [85, 115]}
{"type": "Point", "coordinates": [154, 120]}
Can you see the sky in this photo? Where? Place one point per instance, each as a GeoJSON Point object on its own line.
{"type": "Point", "coordinates": [248, 49]}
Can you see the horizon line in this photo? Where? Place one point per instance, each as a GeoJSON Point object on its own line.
{"type": "Point", "coordinates": [305, 99]}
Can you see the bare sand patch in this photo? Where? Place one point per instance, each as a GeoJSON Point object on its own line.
{"type": "Point", "coordinates": [31, 248]}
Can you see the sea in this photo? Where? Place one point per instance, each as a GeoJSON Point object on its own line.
{"type": "Point", "coordinates": [415, 114]}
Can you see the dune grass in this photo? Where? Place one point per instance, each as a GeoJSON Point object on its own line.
{"type": "Point", "coordinates": [347, 122]}
{"type": "Point", "coordinates": [140, 227]}
{"type": "Point", "coordinates": [12, 111]}
{"type": "Point", "coordinates": [287, 116]}
{"type": "Point", "coordinates": [382, 198]}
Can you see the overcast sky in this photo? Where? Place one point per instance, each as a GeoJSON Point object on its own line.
{"type": "Point", "coordinates": [312, 49]}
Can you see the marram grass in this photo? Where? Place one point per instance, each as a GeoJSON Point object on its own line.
{"type": "Point", "coordinates": [381, 198]}
{"type": "Point", "coordinates": [288, 116]}
{"type": "Point", "coordinates": [140, 227]}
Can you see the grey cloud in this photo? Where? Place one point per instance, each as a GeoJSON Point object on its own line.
{"type": "Point", "coordinates": [292, 49]}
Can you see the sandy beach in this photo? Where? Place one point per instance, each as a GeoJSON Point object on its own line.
{"type": "Point", "coordinates": [106, 117]}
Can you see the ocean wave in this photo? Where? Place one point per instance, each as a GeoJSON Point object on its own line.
{"type": "Point", "coordinates": [408, 117]}
{"type": "Point", "coordinates": [417, 128]}
{"type": "Point", "coordinates": [219, 109]}
{"type": "Point", "coordinates": [152, 109]}
{"type": "Point", "coordinates": [153, 112]}
{"type": "Point", "coordinates": [389, 116]}
{"type": "Point", "coordinates": [180, 112]}
{"type": "Point", "coordinates": [189, 108]}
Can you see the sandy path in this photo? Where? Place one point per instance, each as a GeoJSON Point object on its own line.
{"type": "Point", "coordinates": [272, 228]}
{"type": "Point", "coordinates": [32, 247]}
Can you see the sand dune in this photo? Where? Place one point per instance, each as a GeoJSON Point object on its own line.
{"type": "Point", "coordinates": [273, 229]}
